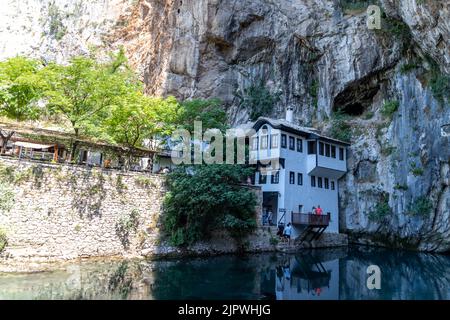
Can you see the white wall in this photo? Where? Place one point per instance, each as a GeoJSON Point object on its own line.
{"type": "Point", "coordinates": [293, 195]}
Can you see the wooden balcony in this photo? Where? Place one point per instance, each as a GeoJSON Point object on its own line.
{"type": "Point", "coordinates": [312, 220]}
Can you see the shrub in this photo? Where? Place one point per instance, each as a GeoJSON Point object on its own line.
{"type": "Point", "coordinates": [440, 86]}
{"type": "Point", "coordinates": [415, 170]}
{"type": "Point", "coordinates": [57, 28]}
{"type": "Point", "coordinates": [387, 150]}
{"type": "Point", "coordinates": [258, 100]}
{"type": "Point", "coordinates": [389, 108]}
{"type": "Point", "coordinates": [340, 129]}
{"type": "Point", "coordinates": [125, 225]}
{"type": "Point", "coordinates": [6, 197]}
{"type": "Point", "coordinates": [144, 181]}
{"type": "Point", "coordinates": [403, 187]}
{"type": "Point", "coordinates": [273, 241]}
{"type": "Point", "coordinates": [381, 211]}
{"type": "Point", "coordinates": [205, 198]}
{"type": "Point", "coordinates": [369, 115]}
{"type": "Point", "coordinates": [420, 207]}
{"type": "Point", "coordinates": [354, 6]}
{"type": "Point", "coordinates": [408, 67]}
{"type": "Point", "coordinates": [3, 240]}
{"type": "Point", "coordinates": [314, 93]}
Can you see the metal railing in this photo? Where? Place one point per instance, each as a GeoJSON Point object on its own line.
{"type": "Point", "coordinates": [309, 219]}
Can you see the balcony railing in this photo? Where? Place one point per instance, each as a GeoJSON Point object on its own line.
{"type": "Point", "coordinates": [308, 219]}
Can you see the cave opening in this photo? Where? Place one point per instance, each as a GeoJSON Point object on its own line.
{"type": "Point", "coordinates": [354, 109]}
{"type": "Point", "coordinates": [357, 97]}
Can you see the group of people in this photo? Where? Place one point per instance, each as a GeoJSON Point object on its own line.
{"type": "Point", "coordinates": [285, 232]}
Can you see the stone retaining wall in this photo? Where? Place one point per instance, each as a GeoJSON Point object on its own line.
{"type": "Point", "coordinates": [66, 211]}
{"type": "Point", "coordinates": [53, 212]}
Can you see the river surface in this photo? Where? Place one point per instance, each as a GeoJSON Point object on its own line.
{"type": "Point", "coordinates": [336, 274]}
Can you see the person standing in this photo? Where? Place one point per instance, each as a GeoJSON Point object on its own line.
{"type": "Point", "coordinates": [319, 210]}
{"type": "Point", "coordinates": [269, 217]}
{"type": "Point", "coordinates": [264, 217]}
{"type": "Point", "coordinates": [287, 233]}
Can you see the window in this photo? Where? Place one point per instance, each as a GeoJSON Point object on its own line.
{"type": "Point", "coordinates": [311, 147]}
{"type": "Point", "coordinates": [255, 143]}
{"type": "Point", "coordinates": [283, 141]}
{"type": "Point", "coordinates": [291, 143]}
{"type": "Point", "coordinates": [313, 181]}
{"type": "Point", "coordinates": [333, 152]}
{"type": "Point", "coordinates": [300, 179]}
{"type": "Point", "coordinates": [274, 141]}
{"type": "Point", "coordinates": [321, 148]}
{"type": "Point", "coordinates": [319, 182]}
{"type": "Point", "coordinates": [327, 150]}
{"type": "Point", "coordinates": [275, 178]}
{"type": "Point", "coordinates": [264, 142]}
{"type": "Point", "coordinates": [262, 178]}
{"type": "Point", "coordinates": [341, 153]}
{"type": "Point", "coordinates": [332, 185]}
{"type": "Point", "coordinates": [299, 145]}
{"type": "Point", "coordinates": [291, 177]}
{"type": "Point", "coordinates": [327, 183]}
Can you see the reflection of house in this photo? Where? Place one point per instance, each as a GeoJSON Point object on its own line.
{"type": "Point", "coordinates": [298, 168]}
{"type": "Point", "coordinates": [49, 145]}
{"type": "Point", "coordinates": [308, 277]}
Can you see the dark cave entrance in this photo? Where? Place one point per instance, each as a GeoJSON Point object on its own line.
{"type": "Point", "coordinates": [358, 96]}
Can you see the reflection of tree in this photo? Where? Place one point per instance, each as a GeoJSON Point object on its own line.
{"type": "Point", "coordinates": [84, 281]}
{"type": "Point", "coordinates": [227, 277]}
{"type": "Point", "coordinates": [119, 282]}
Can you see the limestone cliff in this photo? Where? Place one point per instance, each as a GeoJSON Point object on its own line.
{"type": "Point", "coordinates": [315, 55]}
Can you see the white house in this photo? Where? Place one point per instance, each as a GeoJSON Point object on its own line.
{"type": "Point", "coordinates": [298, 168]}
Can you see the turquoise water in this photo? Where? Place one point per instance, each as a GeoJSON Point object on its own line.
{"type": "Point", "coordinates": [337, 274]}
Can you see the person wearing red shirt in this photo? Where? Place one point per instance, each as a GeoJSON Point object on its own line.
{"type": "Point", "coordinates": [319, 210]}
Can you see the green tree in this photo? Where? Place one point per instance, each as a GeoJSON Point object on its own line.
{"type": "Point", "coordinates": [84, 91]}
{"type": "Point", "coordinates": [210, 112]}
{"type": "Point", "coordinates": [21, 88]}
{"type": "Point", "coordinates": [205, 198]}
{"type": "Point", "coordinates": [258, 100]}
{"type": "Point", "coordinates": [137, 117]}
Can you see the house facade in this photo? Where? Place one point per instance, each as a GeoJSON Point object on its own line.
{"type": "Point", "coordinates": [297, 169]}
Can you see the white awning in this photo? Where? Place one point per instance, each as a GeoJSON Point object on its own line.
{"type": "Point", "coordinates": [32, 145]}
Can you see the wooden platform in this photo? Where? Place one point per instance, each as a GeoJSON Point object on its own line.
{"type": "Point", "coordinates": [315, 225]}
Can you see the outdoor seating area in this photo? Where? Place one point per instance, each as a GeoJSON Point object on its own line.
{"type": "Point", "coordinates": [44, 145]}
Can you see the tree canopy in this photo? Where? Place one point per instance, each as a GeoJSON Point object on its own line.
{"type": "Point", "coordinates": [205, 198]}
{"type": "Point", "coordinates": [137, 117]}
{"type": "Point", "coordinates": [209, 112]}
{"type": "Point", "coordinates": [84, 90]}
{"type": "Point", "coordinates": [100, 99]}
{"type": "Point", "coordinates": [21, 88]}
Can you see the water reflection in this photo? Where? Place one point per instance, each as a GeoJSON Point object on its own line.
{"type": "Point", "coordinates": [336, 274]}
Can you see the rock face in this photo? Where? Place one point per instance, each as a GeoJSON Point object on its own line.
{"type": "Point", "coordinates": [315, 55]}
{"type": "Point", "coordinates": [56, 29]}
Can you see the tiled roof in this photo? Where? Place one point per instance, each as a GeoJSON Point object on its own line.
{"type": "Point", "coordinates": [289, 126]}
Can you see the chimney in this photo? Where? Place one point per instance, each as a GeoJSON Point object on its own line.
{"type": "Point", "coordinates": [290, 114]}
